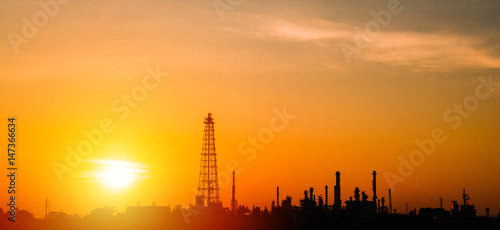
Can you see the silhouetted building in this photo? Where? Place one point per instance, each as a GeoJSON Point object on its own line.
{"type": "Point", "coordinates": [433, 213]}
{"type": "Point", "coordinates": [466, 210]}
{"type": "Point", "coordinates": [360, 205]}
{"type": "Point", "coordinates": [287, 203]}
{"type": "Point", "coordinates": [383, 209]}
{"type": "Point", "coordinates": [308, 201]}
{"type": "Point", "coordinates": [454, 208]}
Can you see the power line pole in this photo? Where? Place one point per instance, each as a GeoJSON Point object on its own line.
{"type": "Point", "coordinates": [46, 205]}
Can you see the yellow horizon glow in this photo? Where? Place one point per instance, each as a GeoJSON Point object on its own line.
{"type": "Point", "coordinates": [350, 117]}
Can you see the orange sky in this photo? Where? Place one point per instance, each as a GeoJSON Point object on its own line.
{"type": "Point", "coordinates": [353, 117]}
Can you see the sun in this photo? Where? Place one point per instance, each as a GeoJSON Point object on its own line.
{"type": "Point", "coordinates": [117, 174]}
{"type": "Point", "coordinates": [117, 177]}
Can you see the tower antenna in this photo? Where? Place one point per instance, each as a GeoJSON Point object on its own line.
{"type": "Point", "coordinates": [208, 185]}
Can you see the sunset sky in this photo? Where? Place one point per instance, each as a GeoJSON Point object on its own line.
{"type": "Point", "coordinates": [243, 65]}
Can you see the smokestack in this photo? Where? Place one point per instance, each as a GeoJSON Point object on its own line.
{"type": "Point", "coordinates": [311, 193]}
{"type": "Point", "coordinates": [390, 202]}
{"type": "Point", "coordinates": [383, 206]}
{"type": "Point", "coordinates": [337, 203]}
{"type": "Point", "coordinates": [374, 186]}
{"type": "Point", "coordinates": [233, 200]}
{"type": "Point", "coordinates": [278, 196]}
{"type": "Point", "coordinates": [326, 195]}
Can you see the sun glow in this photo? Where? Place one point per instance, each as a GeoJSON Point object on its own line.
{"type": "Point", "coordinates": [118, 177]}
{"type": "Point", "coordinates": [118, 174]}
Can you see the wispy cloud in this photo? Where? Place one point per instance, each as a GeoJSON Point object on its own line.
{"type": "Point", "coordinates": [268, 27]}
{"type": "Point", "coordinates": [431, 52]}
{"type": "Point", "coordinates": [416, 51]}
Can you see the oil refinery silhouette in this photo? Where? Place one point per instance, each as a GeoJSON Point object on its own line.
{"type": "Point", "coordinates": [208, 212]}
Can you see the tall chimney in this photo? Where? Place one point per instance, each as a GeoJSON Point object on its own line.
{"type": "Point", "coordinates": [278, 196]}
{"type": "Point", "coordinates": [374, 186]}
{"type": "Point", "coordinates": [233, 200]}
{"type": "Point", "coordinates": [337, 203]}
{"type": "Point", "coordinates": [311, 190]}
{"type": "Point", "coordinates": [326, 195]}
{"type": "Point", "coordinates": [390, 202]}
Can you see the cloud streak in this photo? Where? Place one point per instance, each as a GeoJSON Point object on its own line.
{"type": "Point", "coordinates": [267, 27]}
{"type": "Point", "coordinates": [431, 52]}
{"type": "Point", "coordinates": [417, 51]}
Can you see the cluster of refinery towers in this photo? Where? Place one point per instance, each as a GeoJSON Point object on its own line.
{"type": "Point", "coordinates": [375, 205]}
{"type": "Point", "coordinates": [208, 186]}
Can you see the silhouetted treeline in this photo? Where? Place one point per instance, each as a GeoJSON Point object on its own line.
{"type": "Point", "coordinates": [307, 216]}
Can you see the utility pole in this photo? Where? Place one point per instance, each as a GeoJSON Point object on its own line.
{"type": "Point", "coordinates": [46, 204]}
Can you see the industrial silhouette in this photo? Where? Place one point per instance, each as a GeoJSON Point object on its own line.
{"type": "Point", "coordinates": [337, 202]}
{"type": "Point", "coordinates": [208, 186]}
{"type": "Point", "coordinates": [234, 203]}
{"type": "Point", "coordinates": [313, 212]}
